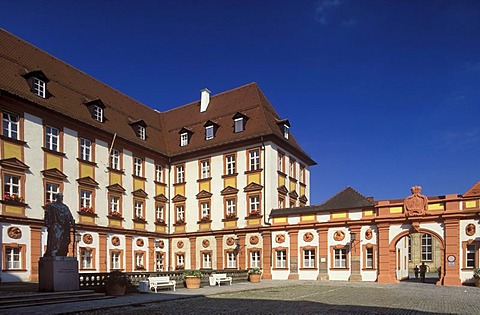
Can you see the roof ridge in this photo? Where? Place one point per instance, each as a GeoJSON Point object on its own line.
{"type": "Point", "coordinates": [341, 191]}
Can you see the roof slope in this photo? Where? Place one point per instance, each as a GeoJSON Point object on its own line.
{"type": "Point", "coordinates": [474, 191]}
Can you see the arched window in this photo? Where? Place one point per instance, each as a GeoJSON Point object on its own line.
{"type": "Point", "coordinates": [426, 247]}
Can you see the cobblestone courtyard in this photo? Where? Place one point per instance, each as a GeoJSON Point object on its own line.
{"type": "Point", "coordinates": [303, 297]}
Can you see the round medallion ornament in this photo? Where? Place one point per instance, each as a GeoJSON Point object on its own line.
{"type": "Point", "coordinates": [14, 232]}
{"type": "Point", "coordinates": [161, 244]}
{"type": "Point", "coordinates": [205, 243]}
{"type": "Point", "coordinates": [115, 241]}
{"type": "Point", "coordinates": [339, 235]}
{"type": "Point", "coordinates": [254, 240]}
{"type": "Point", "coordinates": [368, 234]}
{"type": "Point", "coordinates": [470, 229]}
{"type": "Point", "coordinates": [308, 237]}
{"type": "Point", "coordinates": [180, 244]}
{"type": "Point", "coordinates": [280, 238]}
{"type": "Point", "coordinates": [87, 238]}
{"type": "Point", "coordinates": [140, 242]}
{"type": "Point", "coordinates": [230, 241]}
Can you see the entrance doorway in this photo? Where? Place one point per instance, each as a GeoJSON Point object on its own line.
{"type": "Point", "coordinates": [416, 252]}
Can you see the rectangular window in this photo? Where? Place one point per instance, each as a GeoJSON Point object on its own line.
{"type": "Point", "coordinates": [52, 136]}
{"type": "Point", "coordinates": [139, 261]}
{"type": "Point", "coordinates": [115, 159]}
{"type": "Point", "coordinates": [369, 258]}
{"type": "Point", "coordinates": [470, 263]}
{"type": "Point", "coordinates": [238, 122]}
{"type": "Point", "coordinates": [340, 260]}
{"type": "Point", "coordinates": [280, 162]}
{"type": "Point", "coordinates": [142, 134]}
{"type": "Point", "coordinates": [180, 213]}
{"type": "Point", "coordinates": [254, 160]}
{"type": "Point", "coordinates": [11, 187]}
{"type": "Point", "coordinates": [230, 164]}
{"type": "Point", "coordinates": [10, 125]}
{"type": "Point", "coordinates": [205, 208]}
{"type": "Point", "coordinates": [114, 205]}
{"type": "Point", "coordinates": [208, 132]}
{"type": "Point", "coordinates": [159, 173]}
{"type": "Point", "coordinates": [180, 261]}
{"type": "Point", "coordinates": [255, 259]}
{"type": "Point", "coordinates": [115, 260]}
{"type": "Point", "coordinates": [159, 213]}
{"type": "Point", "coordinates": [302, 173]}
{"type": "Point", "coordinates": [86, 258]}
{"type": "Point", "coordinates": [51, 191]}
{"type": "Point", "coordinates": [281, 202]}
{"type": "Point", "coordinates": [426, 247]}
{"type": "Point", "coordinates": [138, 205]}
{"type": "Point", "coordinates": [281, 261]}
{"type": "Point", "coordinates": [231, 260]}
{"type": "Point", "coordinates": [85, 149]}
{"type": "Point", "coordinates": [205, 165]}
{"type": "Point", "coordinates": [206, 260]}
{"type": "Point", "coordinates": [159, 261]}
{"type": "Point", "coordinates": [309, 258]}
{"type": "Point", "coordinates": [86, 200]}
{"type": "Point", "coordinates": [231, 208]}
{"type": "Point", "coordinates": [180, 174]}
{"type": "Point", "coordinates": [291, 169]}
{"type": "Point", "coordinates": [254, 206]}
{"type": "Point", "coordinates": [39, 87]}
{"type": "Point", "coordinates": [137, 166]}
{"type": "Point", "coordinates": [13, 257]}
{"type": "Point", "coordinates": [286, 131]}
{"type": "Point", "coordinates": [183, 139]}
{"type": "Point", "coordinates": [98, 113]}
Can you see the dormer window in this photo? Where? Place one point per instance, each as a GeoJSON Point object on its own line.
{"type": "Point", "coordinates": [96, 108]}
{"type": "Point", "coordinates": [239, 121]}
{"type": "Point", "coordinates": [37, 81]}
{"type": "Point", "coordinates": [284, 125]}
{"type": "Point", "coordinates": [140, 128]}
{"type": "Point", "coordinates": [210, 130]}
{"type": "Point", "coordinates": [286, 131]}
{"type": "Point", "coordinates": [185, 135]}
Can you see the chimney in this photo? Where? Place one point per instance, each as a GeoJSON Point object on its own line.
{"type": "Point", "coordinates": [204, 100]}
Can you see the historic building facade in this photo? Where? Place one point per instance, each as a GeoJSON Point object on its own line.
{"type": "Point", "coordinates": [219, 183]}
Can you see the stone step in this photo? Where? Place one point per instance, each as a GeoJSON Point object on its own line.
{"type": "Point", "coordinates": [36, 299]}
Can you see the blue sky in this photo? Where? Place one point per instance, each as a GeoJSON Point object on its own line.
{"type": "Point", "coordinates": [383, 95]}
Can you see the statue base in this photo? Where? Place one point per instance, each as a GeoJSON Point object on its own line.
{"type": "Point", "coordinates": [57, 274]}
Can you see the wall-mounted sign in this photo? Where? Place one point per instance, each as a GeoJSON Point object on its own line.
{"type": "Point", "coordinates": [451, 258]}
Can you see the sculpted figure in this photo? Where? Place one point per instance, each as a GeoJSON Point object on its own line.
{"type": "Point", "coordinates": [416, 204]}
{"type": "Point", "coordinates": [58, 220]}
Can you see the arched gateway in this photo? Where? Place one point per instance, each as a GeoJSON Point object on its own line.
{"type": "Point", "coordinates": [354, 238]}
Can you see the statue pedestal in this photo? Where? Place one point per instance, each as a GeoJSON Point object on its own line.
{"type": "Point", "coordinates": [56, 274]}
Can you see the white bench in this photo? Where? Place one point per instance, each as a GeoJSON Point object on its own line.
{"type": "Point", "coordinates": [221, 277]}
{"type": "Point", "coordinates": [161, 282]}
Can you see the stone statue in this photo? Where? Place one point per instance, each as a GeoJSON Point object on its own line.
{"type": "Point", "coordinates": [59, 221]}
{"type": "Point", "coordinates": [415, 204]}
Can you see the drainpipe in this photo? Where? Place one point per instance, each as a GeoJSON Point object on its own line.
{"type": "Point", "coordinates": [264, 194]}
{"type": "Point", "coordinates": [168, 215]}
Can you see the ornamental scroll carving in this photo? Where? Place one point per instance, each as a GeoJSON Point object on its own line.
{"type": "Point", "coordinates": [280, 238]}
{"type": "Point", "coordinates": [205, 243]}
{"type": "Point", "coordinates": [368, 234]}
{"type": "Point", "coordinates": [180, 244]}
{"type": "Point", "coordinates": [416, 204]}
{"type": "Point", "coordinates": [308, 237]}
{"type": "Point", "coordinates": [14, 232]}
{"type": "Point", "coordinates": [87, 238]}
{"type": "Point", "coordinates": [470, 229]}
{"type": "Point", "coordinates": [339, 235]}
{"type": "Point", "coordinates": [115, 241]}
{"type": "Point", "coordinates": [140, 242]}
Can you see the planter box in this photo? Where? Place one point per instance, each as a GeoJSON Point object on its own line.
{"type": "Point", "coordinates": [192, 282]}
{"type": "Point", "coordinates": [254, 277]}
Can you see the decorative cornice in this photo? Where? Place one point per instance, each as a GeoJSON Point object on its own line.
{"type": "Point", "coordinates": [252, 187]}
{"type": "Point", "coordinates": [204, 194]}
{"type": "Point", "coordinates": [160, 198]}
{"type": "Point", "coordinates": [140, 193]}
{"type": "Point", "coordinates": [87, 181]}
{"type": "Point", "coordinates": [54, 173]}
{"type": "Point", "coordinates": [116, 188]}
{"type": "Point", "coordinates": [282, 190]}
{"type": "Point", "coordinates": [179, 198]}
{"type": "Point", "coordinates": [293, 194]}
{"type": "Point", "coordinates": [14, 163]}
{"type": "Point", "coordinates": [229, 190]}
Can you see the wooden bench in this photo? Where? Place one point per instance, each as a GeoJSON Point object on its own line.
{"type": "Point", "coordinates": [161, 282]}
{"type": "Point", "coordinates": [221, 277]}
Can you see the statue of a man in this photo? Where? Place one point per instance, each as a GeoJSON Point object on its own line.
{"type": "Point", "coordinates": [59, 221]}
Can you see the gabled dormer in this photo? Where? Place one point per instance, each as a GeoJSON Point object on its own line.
{"type": "Point", "coordinates": [284, 126]}
{"type": "Point", "coordinates": [140, 128]}
{"type": "Point", "coordinates": [210, 129]}
{"type": "Point", "coordinates": [96, 109]}
{"type": "Point", "coordinates": [37, 80]}
{"type": "Point", "coordinates": [239, 122]}
{"type": "Point", "coordinates": [185, 135]}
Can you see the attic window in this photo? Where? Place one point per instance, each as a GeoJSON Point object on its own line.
{"type": "Point", "coordinates": [140, 128]}
{"type": "Point", "coordinates": [286, 131]}
{"type": "Point", "coordinates": [210, 129]}
{"type": "Point", "coordinates": [239, 122]}
{"type": "Point", "coordinates": [142, 134]}
{"type": "Point", "coordinates": [97, 109]}
{"type": "Point", "coordinates": [37, 81]}
{"type": "Point", "coordinates": [183, 139]}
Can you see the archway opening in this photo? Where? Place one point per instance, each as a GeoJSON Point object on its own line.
{"type": "Point", "coordinates": [419, 258]}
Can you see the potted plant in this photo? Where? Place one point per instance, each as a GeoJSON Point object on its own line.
{"type": "Point", "coordinates": [192, 278]}
{"type": "Point", "coordinates": [116, 283]}
{"type": "Point", "coordinates": [254, 274]}
{"type": "Point", "coordinates": [476, 276]}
